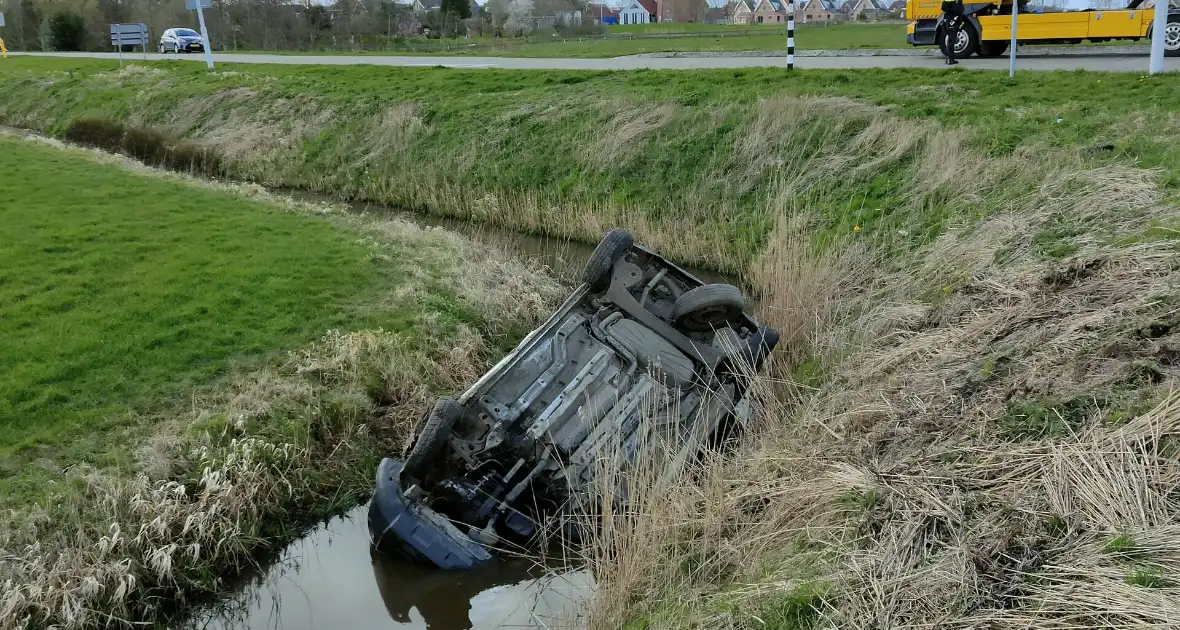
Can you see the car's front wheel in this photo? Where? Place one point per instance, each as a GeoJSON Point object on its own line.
{"type": "Point", "coordinates": [176, 48]}
{"type": "Point", "coordinates": [598, 269]}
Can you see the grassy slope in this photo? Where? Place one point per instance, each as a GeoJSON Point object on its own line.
{"type": "Point", "coordinates": [694, 160]}
{"type": "Point", "coordinates": [158, 332]}
{"type": "Point", "coordinates": [122, 294]}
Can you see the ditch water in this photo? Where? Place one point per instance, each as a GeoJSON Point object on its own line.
{"type": "Point", "coordinates": [331, 579]}
{"type": "Point", "coordinates": [564, 257]}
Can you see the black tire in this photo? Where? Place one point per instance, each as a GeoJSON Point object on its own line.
{"type": "Point", "coordinates": [992, 49]}
{"type": "Point", "coordinates": [707, 307]}
{"type": "Point", "coordinates": [431, 438]}
{"type": "Point", "coordinates": [613, 246]}
{"type": "Point", "coordinates": [1172, 37]}
{"type": "Point", "coordinates": [969, 38]}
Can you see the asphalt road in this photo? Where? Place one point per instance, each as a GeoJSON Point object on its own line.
{"type": "Point", "coordinates": [1101, 63]}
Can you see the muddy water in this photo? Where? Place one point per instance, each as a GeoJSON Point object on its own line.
{"type": "Point", "coordinates": [330, 579]}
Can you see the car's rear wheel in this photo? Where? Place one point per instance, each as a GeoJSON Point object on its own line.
{"type": "Point", "coordinates": [430, 439]}
{"type": "Point", "coordinates": [708, 307]}
{"type": "Point", "coordinates": [613, 246]}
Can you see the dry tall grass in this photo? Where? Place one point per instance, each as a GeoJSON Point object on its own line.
{"type": "Point", "coordinates": [978, 434]}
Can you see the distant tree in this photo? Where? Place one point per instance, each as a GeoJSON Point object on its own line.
{"type": "Point", "coordinates": [114, 11]}
{"type": "Point", "coordinates": [519, 20]}
{"type": "Point", "coordinates": [28, 21]}
{"type": "Point", "coordinates": [317, 19]}
{"type": "Point", "coordinates": [460, 9]}
{"type": "Point", "coordinates": [66, 31]}
{"type": "Point", "coordinates": [453, 12]}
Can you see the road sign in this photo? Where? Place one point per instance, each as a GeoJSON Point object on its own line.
{"type": "Point", "coordinates": [1, 18]}
{"type": "Point", "coordinates": [199, 6]}
{"type": "Point", "coordinates": [129, 35]}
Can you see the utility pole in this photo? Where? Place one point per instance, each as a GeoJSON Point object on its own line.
{"type": "Point", "coordinates": [1012, 44]}
{"type": "Point", "coordinates": [1159, 28]}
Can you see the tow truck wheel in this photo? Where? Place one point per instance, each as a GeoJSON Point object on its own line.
{"type": "Point", "coordinates": [966, 45]}
{"type": "Point", "coordinates": [1172, 36]}
{"type": "Point", "coordinates": [992, 49]}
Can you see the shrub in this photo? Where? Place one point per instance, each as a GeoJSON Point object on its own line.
{"type": "Point", "coordinates": [66, 31]}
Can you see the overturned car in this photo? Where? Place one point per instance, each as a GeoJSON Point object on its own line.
{"type": "Point", "coordinates": [642, 355]}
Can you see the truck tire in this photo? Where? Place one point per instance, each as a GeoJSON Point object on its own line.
{"type": "Point", "coordinates": [968, 43]}
{"type": "Point", "coordinates": [431, 438]}
{"type": "Point", "coordinates": [1172, 36]}
{"type": "Point", "coordinates": [992, 49]}
{"type": "Point", "coordinates": [613, 246]}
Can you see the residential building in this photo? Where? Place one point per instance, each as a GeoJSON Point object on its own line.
{"type": "Point", "coordinates": [769, 12]}
{"type": "Point", "coordinates": [821, 11]}
{"type": "Point", "coordinates": [603, 14]}
{"type": "Point", "coordinates": [864, 10]}
{"type": "Point", "coordinates": [681, 10]}
{"type": "Point", "coordinates": [638, 12]}
{"type": "Point", "coordinates": [741, 12]}
{"type": "Point", "coordinates": [717, 15]}
{"type": "Point", "coordinates": [424, 6]}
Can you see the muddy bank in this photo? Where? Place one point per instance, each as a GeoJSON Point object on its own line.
{"type": "Point", "coordinates": [331, 579]}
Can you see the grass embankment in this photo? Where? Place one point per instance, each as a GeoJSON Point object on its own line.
{"type": "Point", "coordinates": [700, 163]}
{"type": "Point", "coordinates": [975, 278]}
{"type": "Point", "coordinates": [193, 372]}
{"type": "Point", "coordinates": [654, 38]}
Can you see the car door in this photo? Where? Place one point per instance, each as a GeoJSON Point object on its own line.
{"type": "Point", "coordinates": [167, 39]}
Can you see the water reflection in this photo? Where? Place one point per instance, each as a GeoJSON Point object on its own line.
{"type": "Point", "coordinates": [331, 579]}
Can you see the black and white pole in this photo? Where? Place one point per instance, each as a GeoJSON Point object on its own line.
{"type": "Point", "coordinates": [790, 34]}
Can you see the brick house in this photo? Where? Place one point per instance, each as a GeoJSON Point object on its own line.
{"type": "Point", "coordinates": [769, 12]}
{"type": "Point", "coordinates": [681, 10]}
{"type": "Point", "coordinates": [820, 11]}
{"type": "Point", "coordinates": [741, 12]}
{"type": "Point", "coordinates": [864, 9]}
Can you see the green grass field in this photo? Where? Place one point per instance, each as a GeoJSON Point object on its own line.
{"type": "Point", "coordinates": [154, 328]}
{"type": "Point", "coordinates": [120, 295]}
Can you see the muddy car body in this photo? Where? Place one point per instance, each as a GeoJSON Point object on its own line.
{"type": "Point", "coordinates": [641, 357]}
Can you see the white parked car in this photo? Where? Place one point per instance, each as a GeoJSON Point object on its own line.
{"type": "Point", "coordinates": [181, 40]}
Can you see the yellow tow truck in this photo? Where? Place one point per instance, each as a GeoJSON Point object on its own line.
{"type": "Point", "coordinates": [989, 26]}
